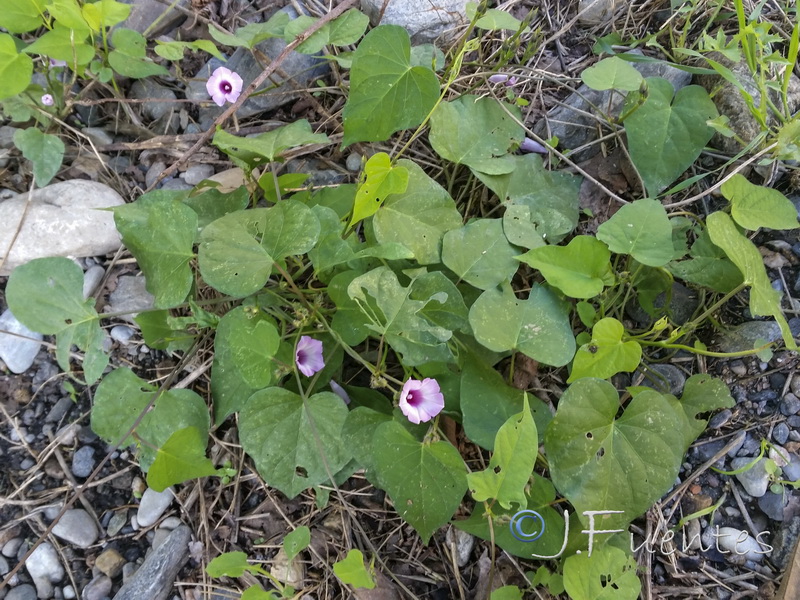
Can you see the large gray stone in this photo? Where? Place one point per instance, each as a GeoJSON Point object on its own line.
{"type": "Point", "coordinates": [744, 337]}
{"type": "Point", "coordinates": [44, 568]}
{"type": "Point", "coordinates": [293, 74]}
{"type": "Point", "coordinates": [145, 13]}
{"type": "Point", "coordinates": [573, 121]}
{"type": "Point", "coordinates": [62, 219]}
{"type": "Point", "coordinates": [427, 21]}
{"type": "Point", "coordinates": [154, 579]}
{"type": "Point", "coordinates": [18, 345]}
{"type": "Point", "coordinates": [77, 527]}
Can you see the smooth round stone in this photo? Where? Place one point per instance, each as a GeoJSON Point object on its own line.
{"type": "Point", "coordinates": [11, 547]}
{"type": "Point", "coordinates": [91, 279]}
{"type": "Point", "coordinates": [197, 173]}
{"type": "Point", "coordinates": [153, 505]}
{"type": "Point", "coordinates": [83, 461]}
{"type": "Point", "coordinates": [77, 527]}
{"type": "Point", "coordinates": [97, 589]}
{"type": "Point", "coordinates": [740, 543]}
{"type": "Point", "coordinates": [754, 480]}
{"type": "Point", "coordinates": [122, 333]}
{"type": "Point", "coordinates": [69, 592]}
{"type": "Point", "coordinates": [781, 433]}
{"type": "Point", "coordinates": [22, 592]}
{"type": "Point", "coordinates": [4, 568]}
{"type": "Point", "coordinates": [44, 568]}
{"type": "Point", "coordinates": [17, 352]}
{"type": "Point", "coordinates": [110, 562]}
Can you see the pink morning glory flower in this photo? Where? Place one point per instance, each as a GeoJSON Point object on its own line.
{"type": "Point", "coordinates": [503, 78]}
{"type": "Point", "coordinates": [529, 145]}
{"type": "Point", "coordinates": [224, 85]}
{"type": "Point", "coordinates": [47, 100]}
{"type": "Point", "coordinates": [308, 356]}
{"type": "Point", "coordinates": [340, 391]}
{"type": "Point", "coordinates": [420, 401]}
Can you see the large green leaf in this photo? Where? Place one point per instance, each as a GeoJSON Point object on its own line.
{"type": "Point", "coordinates": [612, 73]}
{"type": "Point", "coordinates": [46, 295]}
{"type": "Point", "coordinates": [342, 31]}
{"type": "Point", "coordinates": [251, 340]}
{"type": "Point", "coordinates": [419, 217]}
{"type": "Point", "coordinates": [641, 229]}
{"type": "Point", "coordinates": [21, 16]}
{"type": "Point", "coordinates": [129, 57]}
{"type": "Point", "coordinates": [666, 134]}
{"type": "Point", "coordinates": [551, 196]}
{"type": "Point", "coordinates": [63, 44]}
{"type": "Point", "coordinates": [608, 573]}
{"type": "Point", "coordinates": [351, 571]}
{"type": "Point", "coordinates": [477, 132]}
{"type": "Point", "coordinates": [701, 394]}
{"type": "Point", "coordinates": [254, 33]}
{"type": "Point", "coordinates": [487, 402]}
{"type": "Point", "coordinates": [754, 206]}
{"type": "Point", "coordinates": [122, 397]}
{"type": "Point", "coordinates": [479, 253]}
{"type": "Point", "coordinates": [601, 462]}
{"type": "Point", "coordinates": [44, 150]}
{"type": "Point", "coordinates": [387, 93]}
{"type": "Point", "coordinates": [105, 13]}
{"type": "Point", "coordinates": [349, 321]}
{"type": "Point", "coordinates": [426, 481]}
{"type": "Point", "coordinates": [16, 69]}
{"type": "Point", "coordinates": [764, 300]}
{"type": "Point", "coordinates": [396, 316]}
{"type": "Point", "coordinates": [251, 152]}
{"type": "Point", "coordinates": [606, 354]}
{"type": "Point", "coordinates": [538, 327]}
{"type": "Point", "coordinates": [294, 442]}
{"type": "Point", "coordinates": [581, 269]}
{"type": "Point", "coordinates": [160, 233]}
{"type": "Point", "coordinates": [182, 457]}
{"type": "Point", "coordinates": [512, 462]}
{"type": "Point", "coordinates": [289, 228]}
{"type": "Point", "coordinates": [231, 259]}
{"type": "Point", "coordinates": [212, 204]}
{"type": "Point", "coordinates": [229, 389]}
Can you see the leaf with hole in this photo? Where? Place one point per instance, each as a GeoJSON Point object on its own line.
{"type": "Point", "coordinates": [294, 442]}
{"type": "Point", "coordinates": [44, 150]}
{"type": "Point", "coordinates": [754, 206]}
{"type": "Point", "coordinates": [599, 461]}
{"type": "Point", "coordinates": [606, 354]}
{"type": "Point", "coordinates": [641, 229]}
{"type": "Point", "coordinates": [46, 295]}
{"type": "Point", "coordinates": [181, 458]}
{"type": "Point", "coordinates": [479, 253]}
{"type": "Point", "coordinates": [538, 327]}
{"type": "Point", "coordinates": [666, 134]}
{"type": "Point", "coordinates": [477, 132]}
{"type": "Point", "coordinates": [381, 180]}
{"type": "Point", "coordinates": [581, 269]}
{"type": "Point", "coordinates": [296, 541]}
{"type": "Point", "coordinates": [387, 93]}
{"type": "Point", "coordinates": [607, 574]}
{"type": "Point", "coordinates": [511, 464]}
{"type": "Point", "coordinates": [426, 481]}
{"type": "Point", "coordinates": [764, 300]}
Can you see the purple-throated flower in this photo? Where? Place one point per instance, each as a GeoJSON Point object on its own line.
{"type": "Point", "coordinates": [308, 356]}
{"type": "Point", "coordinates": [47, 100]}
{"type": "Point", "coordinates": [224, 85]}
{"type": "Point", "coordinates": [57, 63]}
{"type": "Point", "coordinates": [503, 78]}
{"type": "Point", "coordinates": [420, 401]}
{"type": "Point", "coordinates": [529, 145]}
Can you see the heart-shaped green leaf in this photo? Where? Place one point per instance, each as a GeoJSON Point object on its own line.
{"type": "Point", "coordinates": [251, 340]}
{"type": "Point", "coordinates": [382, 179]}
{"type": "Point", "coordinates": [182, 457]}
{"type": "Point", "coordinates": [44, 150]}
{"type": "Point", "coordinates": [754, 206]}
{"type": "Point", "coordinates": [479, 253]}
{"type": "Point", "coordinates": [612, 73]}
{"type": "Point", "coordinates": [641, 229]}
{"type": "Point", "coordinates": [606, 354]}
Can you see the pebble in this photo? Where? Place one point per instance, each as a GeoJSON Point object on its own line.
{"type": "Point", "coordinates": [97, 589]}
{"type": "Point", "coordinates": [154, 579]}
{"type": "Point", "coordinates": [131, 297]}
{"type": "Point", "coordinates": [720, 419]}
{"type": "Point", "coordinates": [153, 172]}
{"type": "Point", "coordinates": [353, 162]}
{"type": "Point", "coordinates": [291, 573]}
{"type": "Point", "coordinates": [754, 480]}
{"type": "Point", "coordinates": [98, 135]}
{"type": "Point", "coordinates": [110, 562]}
{"type": "Point", "coordinates": [4, 568]}
{"type": "Point", "coordinates": [44, 568]}
{"type": "Point", "coordinates": [790, 404]}
{"type": "Point", "coordinates": [67, 434]}
{"type": "Point", "coordinates": [781, 433]}
{"type": "Point", "coordinates": [170, 523]}
{"type": "Point", "coordinates": [83, 461]}
{"type": "Point", "coordinates": [26, 464]}
{"type": "Point", "coordinates": [148, 89]}
{"type": "Point", "coordinates": [795, 384]}
{"type": "Point", "coordinates": [175, 184]}
{"type": "Point", "coordinates": [117, 522]}
{"type": "Point", "coordinates": [128, 570]}
{"type": "Point", "coordinates": [667, 379]}
{"type": "Point", "coordinates": [153, 505]}
{"type": "Point", "coordinates": [744, 337]}
{"type": "Point", "coordinates": [763, 396]}
{"type": "Point", "coordinates": [17, 352]}
{"type": "Point", "coordinates": [791, 472]}
{"type": "Point", "coordinates": [197, 173]}
{"type": "Point", "coordinates": [22, 592]}
{"type": "Point", "coordinates": [68, 591]}
{"type": "Point", "coordinates": [122, 333]}
{"type": "Point", "coordinates": [11, 547]}
{"type": "Point", "coordinates": [61, 219]}
{"type": "Point", "coordinates": [59, 410]}
{"type": "Point", "coordinates": [159, 537]}
{"type": "Point", "coordinates": [772, 504]}
{"type": "Point", "coordinates": [739, 543]}
{"type": "Point", "coordinates": [77, 527]}
{"type": "Point", "coordinates": [423, 24]}
{"type": "Point", "coordinates": [91, 279]}
{"type": "Point", "coordinates": [464, 543]}
{"type": "Point", "coordinates": [738, 367]}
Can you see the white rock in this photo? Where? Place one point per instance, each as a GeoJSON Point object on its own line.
{"type": "Point", "coordinates": [77, 527]}
{"type": "Point", "coordinates": [153, 505]}
{"type": "Point", "coordinates": [130, 296]}
{"type": "Point", "coordinates": [596, 11]}
{"type": "Point", "coordinates": [754, 480]}
{"type": "Point", "coordinates": [62, 220]}
{"type": "Point", "coordinates": [463, 541]}
{"type": "Point", "coordinates": [740, 543]}
{"type": "Point", "coordinates": [17, 352]}
{"type": "Point", "coordinates": [45, 569]}
{"type": "Point", "coordinates": [197, 173]}
{"type": "Point", "coordinates": [91, 279]}
{"type": "Point", "coordinates": [426, 21]}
